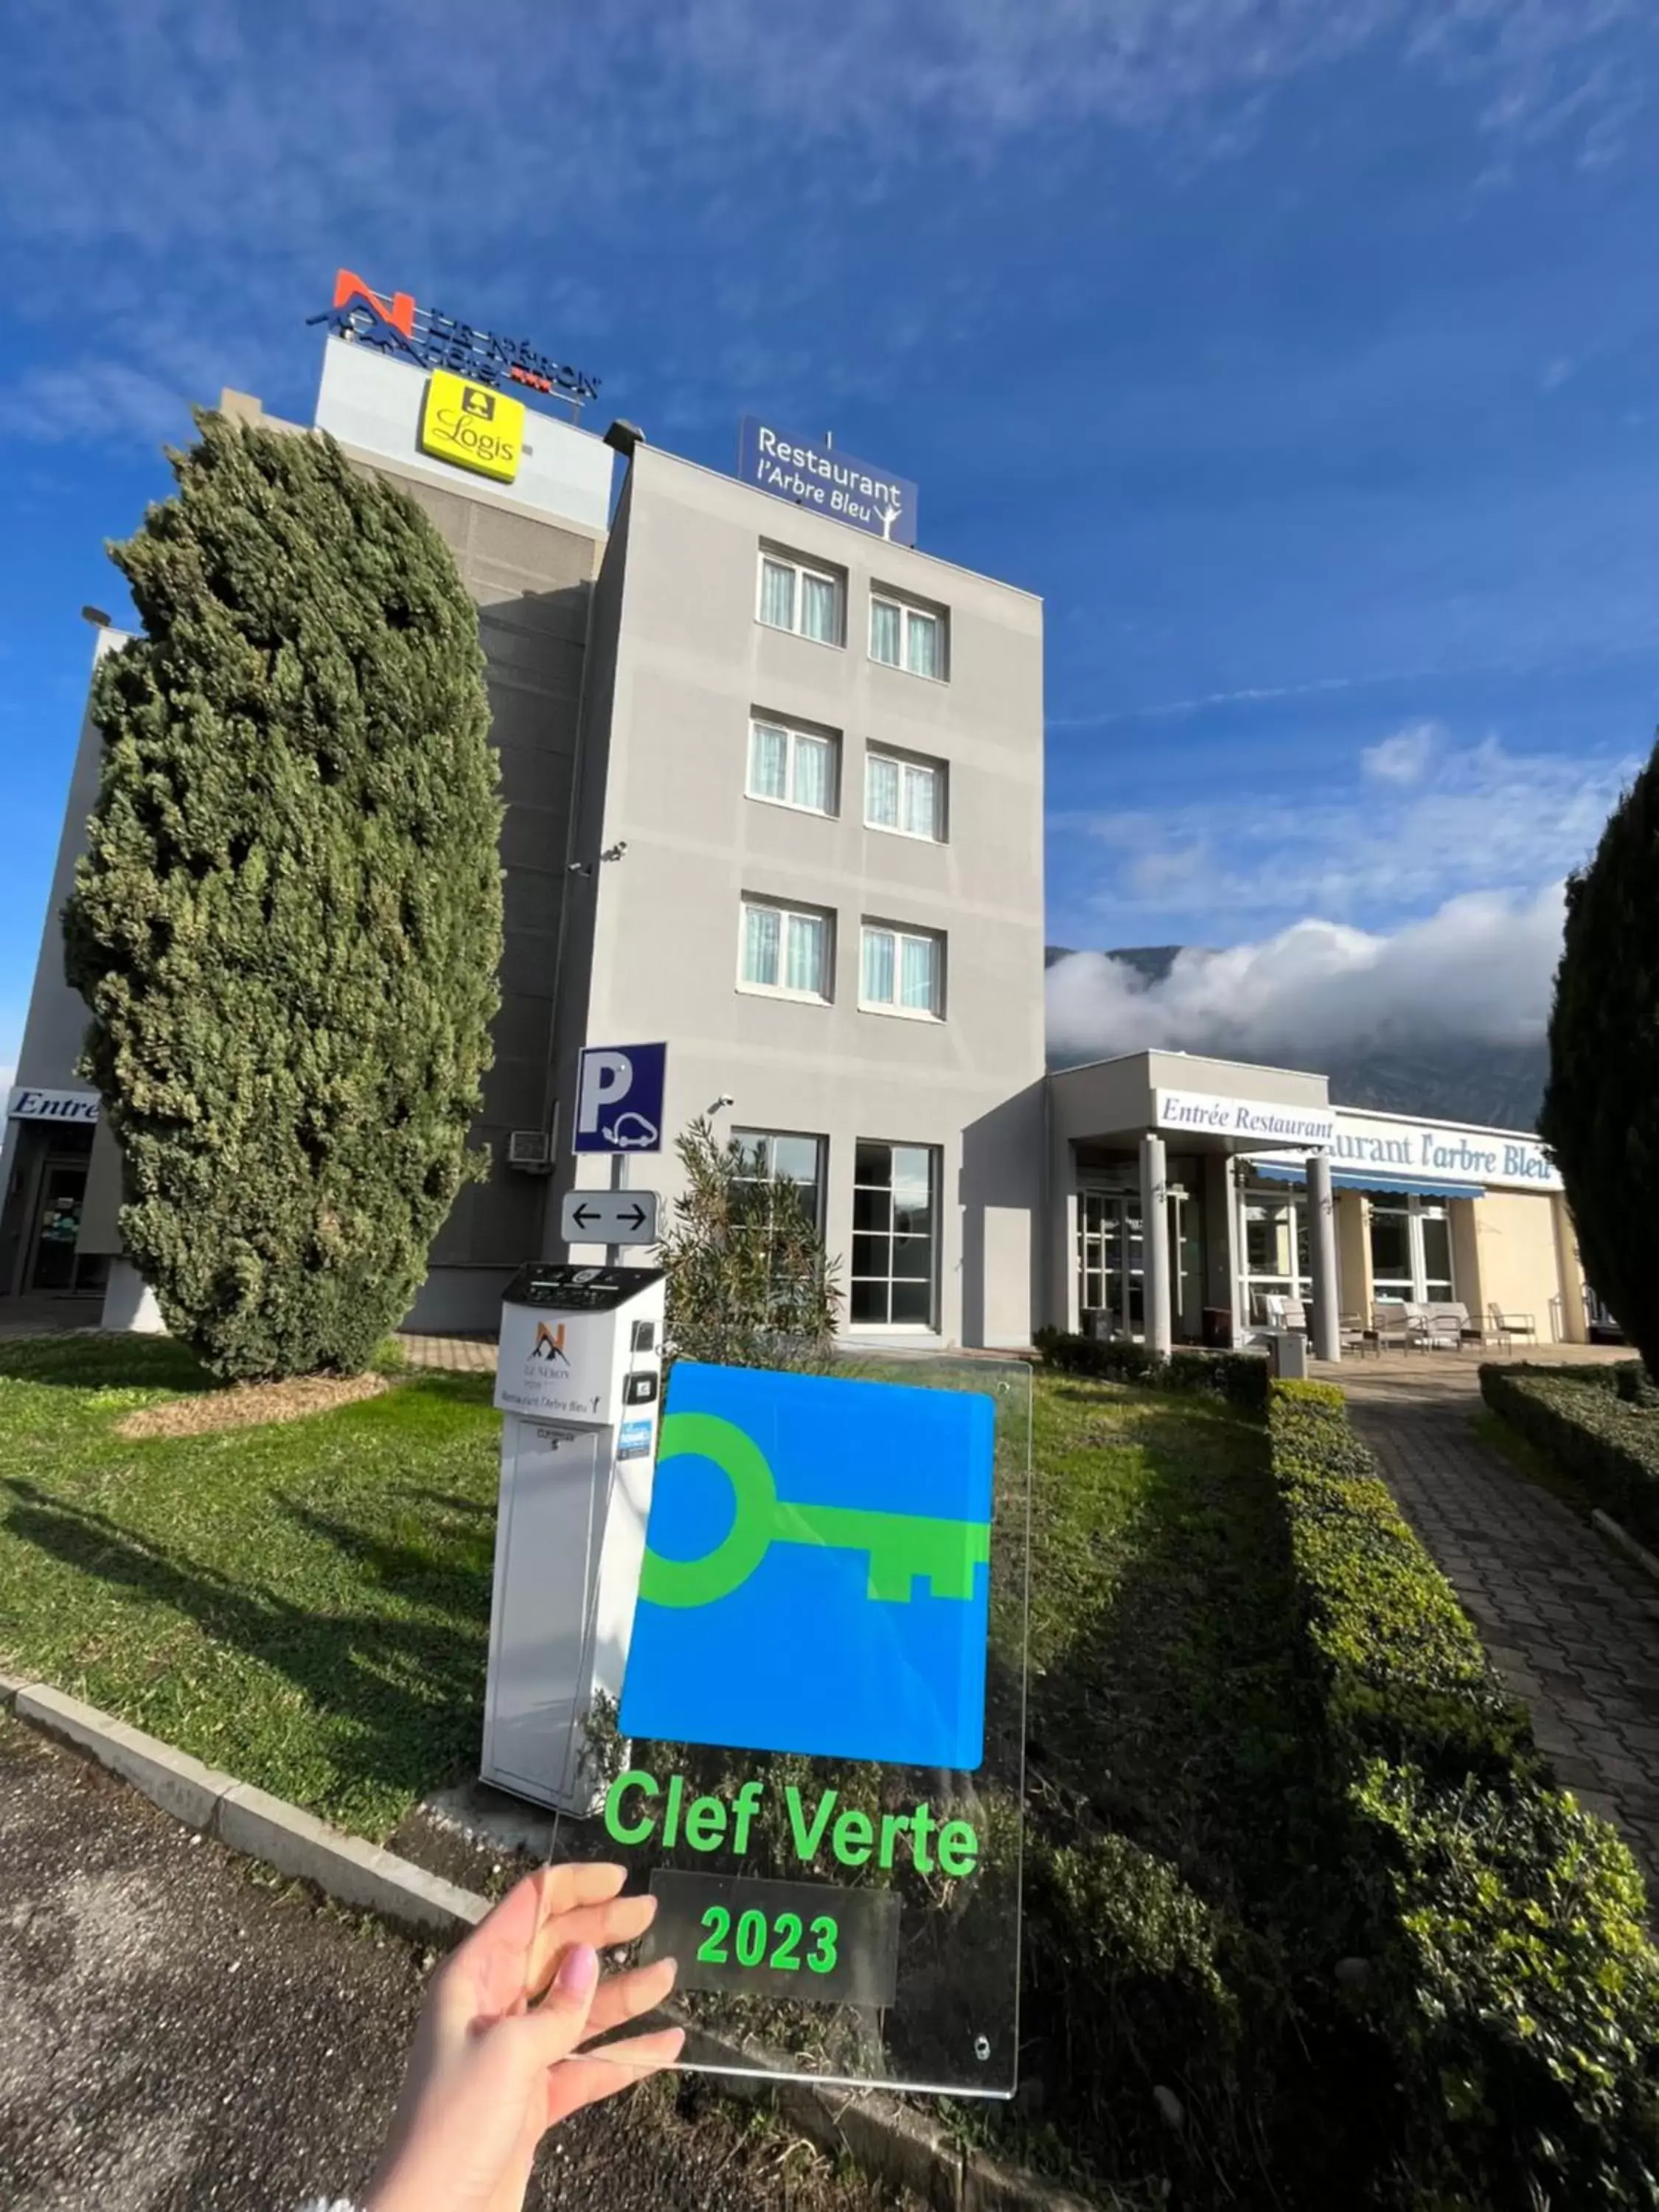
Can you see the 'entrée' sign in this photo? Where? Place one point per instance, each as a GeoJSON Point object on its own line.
{"type": "Point", "coordinates": [1243, 1117]}
{"type": "Point", "coordinates": [30, 1104]}
{"type": "Point", "coordinates": [820, 477]}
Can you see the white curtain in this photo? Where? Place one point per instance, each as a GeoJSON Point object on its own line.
{"type": "Point", "coordinates": [814, 764]}
{"type": "Point", "coordinates": [918, 973]}
{"type": "Point", "coordinates": [878, 985]}
{"type": "Point", "coordinates": [920, 817]}
{"type": "Point", "coordinates": [884, 632]}
{"type": "Point", "coordinates": [777, 595]}
{"type": "Point", "coordinates": [881, 790]}
{"type": "Point", "coordinates": [921, 645]}
{"type": "Point", "coordinates": [760, 944]}
{"type": "Point", "coordinates": [819, 616]}
{"type": "Point", "coordinates": [768, 762]}
{"type": "Point", "coordinates": [805, 955]}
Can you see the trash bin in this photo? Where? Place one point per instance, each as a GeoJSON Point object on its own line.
{"type": "Point", "coordinates": [1287, 1354]}
{"type": "Point", "coordinates": [1217, 1327]}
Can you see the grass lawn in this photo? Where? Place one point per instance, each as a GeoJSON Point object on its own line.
{"type": "Point", "coordinates": [306, 1604]}
{"type": "Point", "coordinates": [1183, 1887]}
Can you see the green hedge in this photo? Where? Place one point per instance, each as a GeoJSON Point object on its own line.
{"type": "Point", "coordinates": [1240, 1377]}
{"type": "Point", "coordinates": [1514, 1989]}
{"type": "Point", "coordinates": [1593, 1423]}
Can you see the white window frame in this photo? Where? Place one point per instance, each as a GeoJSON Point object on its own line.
{"type": "Point", "coordinates": [820, 1186]}
{"type": "Point", "coordinates": [787, 909]}
{"type": "Point", "coordinates": [936, 1246]}
{"type": "Point", "coordinates": [899, 932]}
{"type": "Point", "coordinates": [793, 732]}
{"type": "Point", "coordinates": [913, 764]}
{"type": "Point", "coordinates": [1417, 1209]}
{"type": "Point", "coordinates": [908, 609]}
{"type": "Point", "coordinates": [834, 577]}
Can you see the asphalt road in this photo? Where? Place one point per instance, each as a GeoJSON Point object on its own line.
{"type": "Point", "coordinates": [178, 2034]}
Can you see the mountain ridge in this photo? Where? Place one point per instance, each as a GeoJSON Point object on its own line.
{"type": "Point", "coordinates": [1493, 1086]}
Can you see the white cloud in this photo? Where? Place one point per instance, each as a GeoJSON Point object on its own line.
{"type": "Point", "coordinates": [1404, 757]}
{"type": "Point", "coordinates": [1479, 970]}
{"type": "Point", "coordinates": [1479, 818]}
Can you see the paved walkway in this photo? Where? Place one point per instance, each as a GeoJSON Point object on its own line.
{"type": "Point", "coordinates": [462, 1355]}
{"type": "Point", "coordinates": [1570, 1625]}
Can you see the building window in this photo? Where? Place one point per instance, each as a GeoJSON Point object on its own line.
{"type": "Point", "coordinates": [1276, 1257]}
{"type": "Point", "coordinates": [906, 637]}
{"type": "Point", "coordinates": [792, 767]}
{"type": "Point", "coordinates": [902, 971]}
{"type": "Point", "coordinates": [785, 949]}
{"type": "Point", "coordinates": [1410, 1252]}
{"type": "Point", "coordinates": [905, 795]}
{"type": "Point", "coordinates": [895, 1275]}
{"type": "Point", "coordinates": [807, 601]}
{"type": "Point", "coordinates": [774, 1156]}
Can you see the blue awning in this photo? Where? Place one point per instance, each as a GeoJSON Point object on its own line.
{"type": "Point", "coordinates": [1391, 1186]}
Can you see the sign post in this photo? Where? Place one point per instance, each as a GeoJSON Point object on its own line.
{"type": "Point", "coordinates": [615, 1217]}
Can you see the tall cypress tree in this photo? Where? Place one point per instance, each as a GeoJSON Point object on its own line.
{"type": "Point", "coordinates": [1601, 1116]}
{"type": "Point", "coordinates": [287, 921]}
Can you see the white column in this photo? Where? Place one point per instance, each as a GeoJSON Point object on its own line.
{"type": "Point", "coordinates": [1322, 1244]}
{"type": "Point", "coordinates": [1155, 1232]}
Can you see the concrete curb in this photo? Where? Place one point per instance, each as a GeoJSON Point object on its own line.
{"type": "Point", "coordinates": [342, 1867]}
{"type": "Point", "coordinates": [1627, 1543]}
{"type": "Point", "coordinates": [884, 2138]}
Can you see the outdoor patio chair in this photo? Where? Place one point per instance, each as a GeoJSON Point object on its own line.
{"type": "Point", "coordinates": [1508, 1325]}
{"type": "Point", "coordinates": [1441, 1327]}
{"type": "Point", "coordinates": [1296, 1315]}
{"type": "Point", "coordinates": [1353, 1335]}
{"type": "Point", "coordinates": [1390, 1324]}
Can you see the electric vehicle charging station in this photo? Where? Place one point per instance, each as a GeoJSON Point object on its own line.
{"type": "Point", "coordinates": [579, 1385]}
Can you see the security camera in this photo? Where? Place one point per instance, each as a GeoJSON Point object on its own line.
{"type": "Point", "coordinates": [725, 1099]}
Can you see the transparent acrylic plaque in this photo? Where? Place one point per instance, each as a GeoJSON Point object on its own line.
{"type": "Point", "coordinates": [817, 1767]}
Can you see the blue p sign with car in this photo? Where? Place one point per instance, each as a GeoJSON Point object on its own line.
{"type": "Point", "coordinates": [619, 1098]}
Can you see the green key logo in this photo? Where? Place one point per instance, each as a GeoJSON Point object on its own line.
{"type": "Point", "coordinates": [816, 1569]}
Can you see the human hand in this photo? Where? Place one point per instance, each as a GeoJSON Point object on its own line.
{"type": "Point", "coordinates": [492, 2068]}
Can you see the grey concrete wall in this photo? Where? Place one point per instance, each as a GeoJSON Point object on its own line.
{"type": "Point", "coordinates": [692, 664]}
{"type": "Point", "coordinates": [587, 838]}
{"type": "Point", "coordinates": [57, 1019]}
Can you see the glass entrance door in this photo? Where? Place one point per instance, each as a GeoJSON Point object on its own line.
{"type": "Point", "coordinates": [1111, 1263]}
{"type": "Point", "coordinates": [58, 1224]}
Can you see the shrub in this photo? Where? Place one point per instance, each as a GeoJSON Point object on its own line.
{"type": "Point", "coordinates": [749, 1281]}
{"type": "Point", "coordinates": [288, 920]}
{"type": "Point", "coordinates": [1600, 1111]}
{"type": "Point", "coordinates": [1516, 1993]}
{"type": "Point", "coordinates": [1596, 1426]}
{"type": "Point", "coordinates": [1240, 1377]}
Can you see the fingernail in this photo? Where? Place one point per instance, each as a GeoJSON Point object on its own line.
{"type": "Point", "coordinates": [579, 1970]}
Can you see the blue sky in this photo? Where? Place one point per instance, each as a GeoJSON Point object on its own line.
{"type": "Point", "coordinates": [1302, 355]}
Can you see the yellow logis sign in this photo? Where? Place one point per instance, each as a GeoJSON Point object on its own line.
{"type": "Point", "coordinates": [471, 426]}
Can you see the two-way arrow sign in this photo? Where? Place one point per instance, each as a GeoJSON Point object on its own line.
{"type": "Point", "coordinates": [609, 1217]}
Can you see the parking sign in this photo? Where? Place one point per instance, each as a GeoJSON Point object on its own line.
{"type": "Point", "coordinates": [619, 1093]}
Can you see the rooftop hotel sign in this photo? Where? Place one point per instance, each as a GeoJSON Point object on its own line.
{"type": "Point", "coordinates": [392, 323]}
{"type": "Point", "coordinates": [816, 474]}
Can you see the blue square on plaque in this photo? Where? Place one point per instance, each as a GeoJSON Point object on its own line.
{"type": "Point", "coordinates": [816, 1570]}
